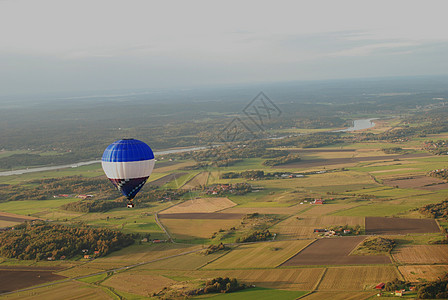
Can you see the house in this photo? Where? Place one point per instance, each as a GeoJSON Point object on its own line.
{"type": "Point", "coordinates": [320, 230]}
{"type": "Point", "coordinates": [399, 293]}
{"type": "Point", "coordinates": [380, 286]}
{"type": "Point", "coordinates": [319, 201]}
{"type": "Point", "coordinates": [84, 196]}
{"type": "Point", "coordinates": [96, 252]}
{"type": "Point", "coordinates": [347, 231]}
{"type": "Point", "coordinates": [62, 257]}
{"type": "Point", "coordinates": [87, 256]}
{"type": "Point", "coordinates": [50, 258]}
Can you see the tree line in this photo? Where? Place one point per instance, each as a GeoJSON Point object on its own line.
{"type": "Point", "coordinates": [40, 240]}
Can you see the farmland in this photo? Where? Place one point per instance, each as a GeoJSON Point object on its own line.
{"type": "Point", "coordinates": [418, 273]}
{"type": "Point", "coordinates": [334, 252]}
{"type": "Point", "coordinates": [359, 184]}
{"type": "Point", "coordinates": [201, 205]}
{"type": "Point", "coordinates": [261, 255]}
{"type": "Point", "coordinates": [379, 225]}
{"type": "Point", "coordinates": [422, 254]}
{"type": "Point", "coordinates": [11, 280]}
{"type": "Point", "coordinates": [356, 278]}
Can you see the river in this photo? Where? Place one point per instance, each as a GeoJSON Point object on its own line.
{"type": "Point", "coordinates": [85, 163]}
{"type": "Point", "coordinates": [357, 125]}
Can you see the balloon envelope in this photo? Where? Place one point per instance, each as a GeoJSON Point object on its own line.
{"type": "Point", "coordinates": [128, 163]}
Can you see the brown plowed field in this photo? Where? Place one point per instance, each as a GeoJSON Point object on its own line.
{"type": "Point", "coordinates": [303, 227]}
{"type": "Point", "coordinates": [418, 182]}
{"type": "Point", "coordinates": [334, 251]}
{"type": "Point", "coordinates": [165, 179]}
{"type": "Point", "coordinates": [4, 216]}
{"type": "Point", "coordinates": [422, 254]}
{"type": "Point", "coordinates": [205, 216]}
{"type": "Point", "coordinates": [14, 280]}
{"type": "Point", "coordinates": [380, 225]}
{"type": "Point", "coordinates": [340, 161]}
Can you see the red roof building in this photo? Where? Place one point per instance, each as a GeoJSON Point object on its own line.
{"type": "Point", "coordinates": [380, 286]}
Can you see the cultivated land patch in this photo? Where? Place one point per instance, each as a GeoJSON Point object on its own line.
{"type": "Point", "coordinates": [198, 180]}
{"type": "Point", "coordinates": [344, 161]}
{"type": "Point", "coordinates": [418, 273]}
{"type": "Point", "coordinates": [139, 253]}
{"type": "Point", "coordinates": [258, 255]}
{"type": "Point", "coordinates": [303, 227]}
{"type": "Point", "coordinates": [165, 179]}
{"type": "Point", "coordinates": [334, 251]}
{"type": "Point", "coordinates": [201, 205]}
{"type": "Point", "coordinates": [418, 182]}
{"type": "Point", "coordinates": [325, 209]}
{"type": "Point", "coordinates": [187, 229]}
{"type": "Point", "coordinates": [339, 295]}
{"type": "Point", "coordinates": [265, 210]}
{"type": "Point", "coordinates": [356, 278]}
{"type": "Point", "coordinates": [422, 254]}
{"type": "Point", "coordinates": [11, 280]}
{"type": "Point", "coordinates": [191, 261]}
{"type": "Point", "coordinates": [208, 216]}
{"type": "Point", "coordinates": [140, 284]}
{"type": "Point", "coordinates": [67, 291]}
{"type": "Point", "coordinates": [9, 217]}
{"type": "Point", "coordinates": [303, 279]}
{"type": "Point", "coordinates": [380, 225]}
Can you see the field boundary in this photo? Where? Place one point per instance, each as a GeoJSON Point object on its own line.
{"type": "Point", "coordinates": [311, 241]}
{"type": "Point", "coordinates": [215, 259]}
{"type": "Point", "coordinates": [315, 288]}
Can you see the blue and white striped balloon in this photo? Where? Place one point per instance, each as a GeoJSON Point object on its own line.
{"type": "Point", "coordinates": [128, 163]}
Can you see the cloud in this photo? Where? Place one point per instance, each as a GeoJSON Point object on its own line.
{"type": "Point", "coordinates": [389, 48]}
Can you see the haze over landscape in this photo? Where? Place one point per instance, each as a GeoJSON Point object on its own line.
{"type": "Point", "coordinates": [223, 150]}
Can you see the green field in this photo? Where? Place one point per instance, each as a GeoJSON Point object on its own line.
{"type": "Point", "coordinates": [283, 206]}
{"type": "Point", "coordinates": [260, 294]}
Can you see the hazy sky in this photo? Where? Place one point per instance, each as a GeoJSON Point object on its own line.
{"type": "Point", "coordinates": [76, 45]}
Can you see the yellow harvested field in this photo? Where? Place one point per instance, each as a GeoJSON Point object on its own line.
{"type": "Point", "coordinates": [266, 210]}
{"type": "Point", "coordinates": [197, 228]}
{"type": "Point", "coordinates": [196, 181]}
{"type": "Point", "coordinates": [8, 223]}
{"type": "Point", "coordinates": [339, 296]}
{"type": "Point", "coordinates": [336, 178]}
{"type": "Point", "coordinates": [303, 227]}
{"type": "Point", "coordinates": [416, 273]}
{"type": "Point", "coordinates": [259, 255]}
{"type": "Point", "coordinates": [140, 253]}
{"type": "Point", "coordinates": [393, 170]}
{"type": "Point", "coordinates": [285, 279]}
{"type": "Point", "coordinates": [175, 166]}
{"type": "Point", "coordinates": [356, 278]}
{"type": "Point", "coordinates": [140, 284]}
{"type": "Point", "coordinates": [191, 261]}
{"type": "Point", "coordinates": [10, 215]}
{"type": "Point", "coordinates": [67, 291]}
{"type": "Point", "coordinates": [80, 271]}
{"type": "Point", "coordinates": [422, 254]}
{"type": "Point", "coordinates": [325, 209]}
{"type": "Point", "coordinates": [202, 205]}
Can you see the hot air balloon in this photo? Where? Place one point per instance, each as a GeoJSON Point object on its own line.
{"type": "Point", "coordinates": [128, 163]}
